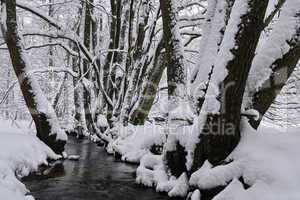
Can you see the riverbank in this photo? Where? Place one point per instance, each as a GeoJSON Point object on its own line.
{"type": "Point", "coordinates": [20, 154]}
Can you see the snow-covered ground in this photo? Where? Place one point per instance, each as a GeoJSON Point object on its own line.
{"type": "Point", "coordinates": [20, 154]}
{"type": "Point", "coordinates": [133, 142]}
{"type": "Point", "coordinates": [267, 160]}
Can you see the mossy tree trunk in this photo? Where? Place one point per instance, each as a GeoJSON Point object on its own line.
{"type": "Point", "coordinates": [149, 89]}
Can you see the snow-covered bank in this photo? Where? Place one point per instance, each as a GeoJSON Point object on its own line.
{"type": "Point", "coordinates": [20, 154]}
{"type": "Point", "coordinates": [266, 159]}
{"type": "Point", "coordinates": [133, 142]}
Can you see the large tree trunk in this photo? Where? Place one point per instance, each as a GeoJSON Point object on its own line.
{"type": "Point", "coordinates": [176, 78]}
{"type": "Point", "coordinates": [221, 131]}
{"type": "Point", "coordinates": [43, 114]}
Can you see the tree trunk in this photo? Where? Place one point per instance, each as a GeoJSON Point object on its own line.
{"type": "Point", "coordinates": [149, 89]}
{"type": "Point", "coordinates": [136, 62]}
{"type": "Point", "coordinates": [174, 51]}
{"type": "Point", "coordinates": [221, 131]}
{"type": "Point", "coordinates": [215, 25]}
{"type": "Point", "coordinates": [47, 125]}
{"type": "Point", "coordinates": [90, 123]}
{"type": "Point", "coordinates": [282, 69]}
{"type": "Point", "coordinates": [272, 59]}
{"type": "Point", "coordinates": [80, 122]}
{"type": "Point", "coordinates": [176, 78]}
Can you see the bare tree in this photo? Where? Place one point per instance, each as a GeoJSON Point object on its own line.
{"type": "Point", "coordinates": [43, 114]}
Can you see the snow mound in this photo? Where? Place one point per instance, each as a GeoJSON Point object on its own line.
{"type": "Point", "coordinates": [267, 161]}
{"type": "Point", "coordinates": [20, 154]}
{"type": "Point", "coordinates": [133, 142]}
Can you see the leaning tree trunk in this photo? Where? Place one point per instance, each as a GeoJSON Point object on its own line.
{"type": "Point", "coordinates": [43, 114]}
{"type": "Point", "coordinates": [149, 88]}
{"type": "Point", "coordinates": [281, 66]}
{"type": "Point", "coordinates": [282, 70]}
{"type": "Point", "coordinates": [213, 32]}
{"type": "Point", "coordinates": [221, 131]}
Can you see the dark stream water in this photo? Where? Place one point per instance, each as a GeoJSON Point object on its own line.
{"type": "Point", "coordinates": [96, 176]}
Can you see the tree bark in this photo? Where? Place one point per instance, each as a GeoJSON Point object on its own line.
{"type": "Point", "coordinates": [221, 131]}
{"type": "Point", "coordinates": [174, 50]}
{"type": "Point", "coordinates": [176, 78]}
{"type": "Point", "coordinates": [90, 122]}
{"type": "Point", "coordinates": [43, 114]}
{"type": "Point", "coordinates": [149, 90]}
{"type": "Point", "coordinates": [136, 62]}
{"type": "Point", "coordinates": [282, 69]}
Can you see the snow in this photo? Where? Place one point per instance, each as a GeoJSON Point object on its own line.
{"type": "Point", "coordinates": [206, 30]}
{"type": "Point", "coordinates": [182, 111]}
{"type": "Point", "coordinates": [73, 157]}
{"type": "Point", "coordinates": [265, 158]}
{"type": "Point", "coordinates": [181, 187]}
{"type": "Point", "coordinates": [195, 177]}
{"type": "Point", "coordinates": [266, 161]}
{"type": "Point", "coordinates": [196, 195]}
{"type": "Point", "coordinates": [42, 104]}
{"type": "Point", "coordinates": [20, 154]}
{"type": "Point", "coordinates": [240, 8]}
{"type": "Point", "coordinates": [275, 45]}
{"type": "Point", "coordinates": [152, 173]}
{"type": "Point", "coordinates": [133, 142]}
{"type": "Point", "coordinates": [3, 17]}
{"type": "Point", "coordinates": [253, 113]}
{"type": "Point", "coordinates": [146, 174]}
{"type": "Point", "coordinates": [216, 21]}
{"type": "Point", "coordinates": [102, 121]}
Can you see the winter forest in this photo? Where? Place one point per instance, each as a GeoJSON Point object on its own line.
{"type": "Point", "coordinates": [149, 99]}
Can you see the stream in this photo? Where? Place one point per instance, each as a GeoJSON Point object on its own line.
{"type": "Point", "coordinates": [95, 176]}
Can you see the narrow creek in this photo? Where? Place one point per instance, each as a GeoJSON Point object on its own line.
{"type": "Point", "coordinates": [96, 176]}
